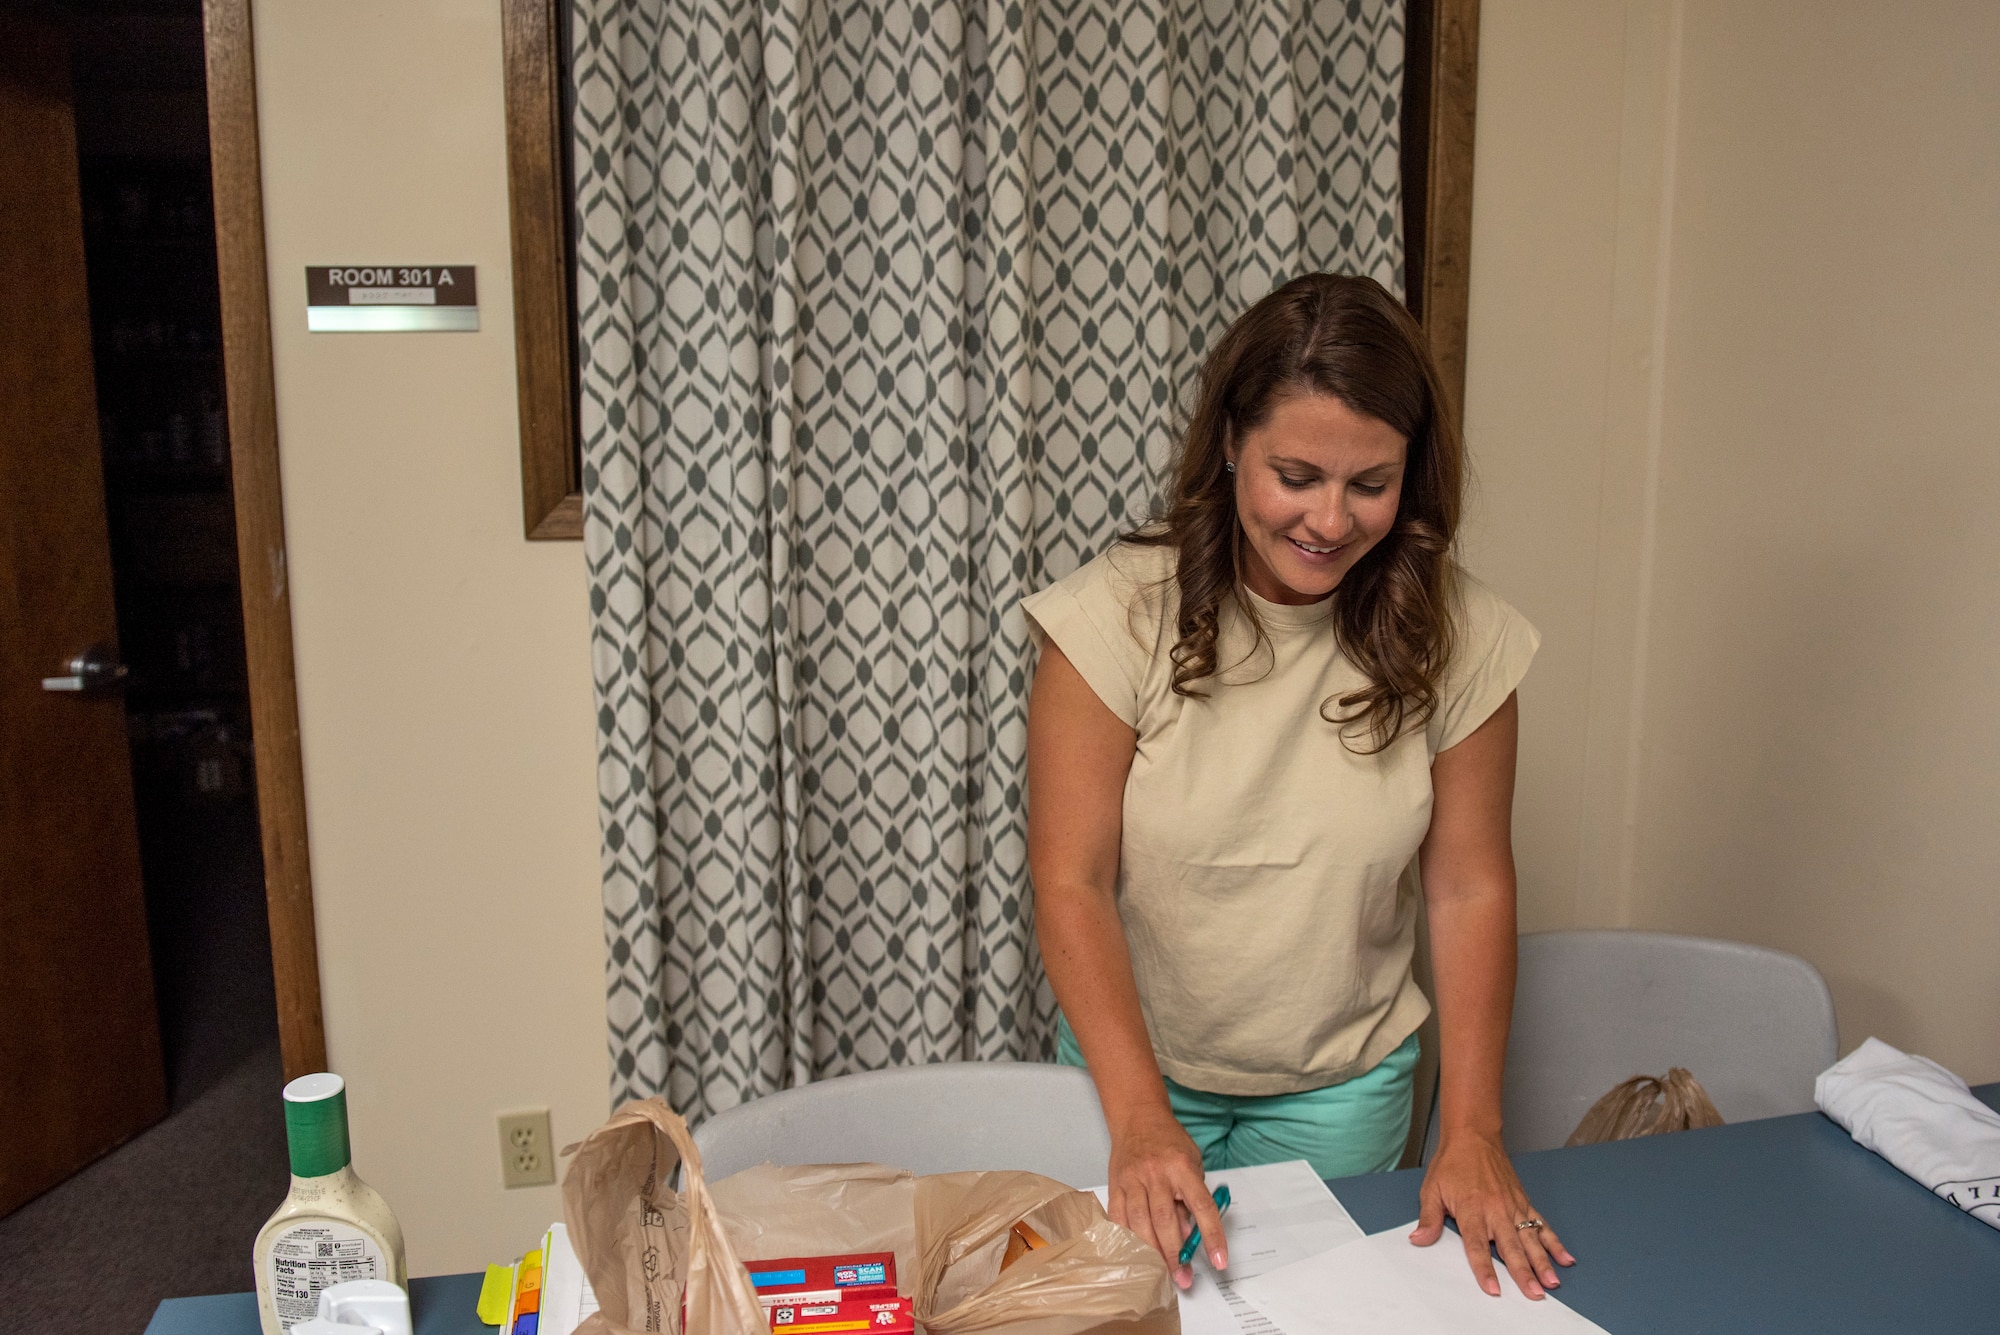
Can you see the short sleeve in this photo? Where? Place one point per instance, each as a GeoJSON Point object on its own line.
{"type": "Point", "coordinates": [1105, 619]}
{"type": "Point", "coordinates": [1495, 646]}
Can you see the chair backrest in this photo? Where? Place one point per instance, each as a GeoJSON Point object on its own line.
{"type": "Point", "coordinates": [1595, 1007]}
{"type": "Point", "coordinates": [940, 1118]}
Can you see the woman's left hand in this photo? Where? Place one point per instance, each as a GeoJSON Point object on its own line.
{"type": "Point", "coordinates": [1472, 1180]}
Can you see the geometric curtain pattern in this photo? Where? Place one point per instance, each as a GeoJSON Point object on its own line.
{"type": "Point", "coordinates": [885, 309]}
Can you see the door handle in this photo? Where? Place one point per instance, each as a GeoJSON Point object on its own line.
{"type": "Point", "coordinates": [95, 669]}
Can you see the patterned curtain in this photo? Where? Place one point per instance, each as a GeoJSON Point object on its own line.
{"type": "Point", "coordinates": [885, 306]}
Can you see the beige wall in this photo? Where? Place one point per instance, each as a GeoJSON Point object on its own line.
{"type": "Point", "coordinates": [443, 661]}
{"type": "Point", "coordinates": [1733, 393]}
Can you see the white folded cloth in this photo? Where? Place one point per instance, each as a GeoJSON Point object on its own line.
{"type": "Point", "coordinates": [1921, 1118]}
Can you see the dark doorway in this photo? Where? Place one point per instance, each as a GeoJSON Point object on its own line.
{"type": "Point", "coordinates": [174, 1210]}
{"type": "Point", "coordinates": [149, 241]}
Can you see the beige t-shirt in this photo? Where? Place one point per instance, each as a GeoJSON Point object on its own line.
{"type": "Point", "coordinates": [1261, 875]}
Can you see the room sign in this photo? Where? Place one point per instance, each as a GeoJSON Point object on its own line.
{"type": "Point", "coordinates": [378, 298]}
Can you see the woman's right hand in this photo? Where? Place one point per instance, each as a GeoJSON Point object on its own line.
{"type": "Point", "coordinates": [1157, 1186]}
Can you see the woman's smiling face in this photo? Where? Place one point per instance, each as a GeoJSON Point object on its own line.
{"type": "Point", "coordinates": [1317, 485]}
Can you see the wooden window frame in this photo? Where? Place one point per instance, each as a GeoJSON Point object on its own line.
{"type": "Point", "coordinates": [1440, 87]}
{"type": "Point", "coordinates": [536, 61]}
{"type": "Point", "coordinates": [1440, 80]}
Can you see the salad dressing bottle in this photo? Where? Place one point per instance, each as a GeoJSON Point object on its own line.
{"type": "Point", "coordinates": [332, 1227]}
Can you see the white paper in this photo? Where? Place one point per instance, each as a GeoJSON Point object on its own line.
{"type": "Point", "coordinates": [1279, 1213]}
{"type": "Point", "coordinates": [566, 1295]}
{"type": "Point", "coordinates": [1384, 1286]}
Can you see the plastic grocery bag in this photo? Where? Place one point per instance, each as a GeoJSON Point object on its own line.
{"type": "Point", "coordinates": [646, 1247]}
{"type": "Point", "coordinates": [1094, 1277]}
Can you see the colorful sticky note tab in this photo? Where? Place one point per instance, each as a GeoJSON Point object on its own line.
{"type": "Point", "coordinates": [495, 1293]}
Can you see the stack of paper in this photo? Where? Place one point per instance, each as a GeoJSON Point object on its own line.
{"type": "Point", "coordinates": [566, 1295]}
{"type": "Point", "coordinates": [1278, 1214]}
{"type": "Point", "coordinates": [1300, 1265]}
{"type": "Point", "coordinates": [543, 1293]}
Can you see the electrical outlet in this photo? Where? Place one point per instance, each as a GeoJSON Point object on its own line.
{"type": "Point", "coordinates": [527, 1158]}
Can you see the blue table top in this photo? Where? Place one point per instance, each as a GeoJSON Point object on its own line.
{"type": "Point", "coordinates": [440, 1305]}
{"type": "Point", "coordinates": [1760, 1228]}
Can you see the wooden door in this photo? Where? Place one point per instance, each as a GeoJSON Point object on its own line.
{"type": "Point", "coordinates": [80, 1063]}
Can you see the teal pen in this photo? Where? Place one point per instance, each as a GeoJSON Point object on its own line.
{"type": "Point", "coordinates": [1193, 1242]}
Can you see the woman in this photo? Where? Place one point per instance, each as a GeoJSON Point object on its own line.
{"type": "Point", "coordinates": [1249, 718]}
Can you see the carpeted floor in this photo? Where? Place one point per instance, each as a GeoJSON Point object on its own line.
{"type": "Point", "coordinates": [174, 1211]}
{"type": "Point", "coordinates": [169, 1214]}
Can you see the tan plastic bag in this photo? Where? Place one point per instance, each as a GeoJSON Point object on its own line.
{"type": "Point", "coordinates": [768, 1212]}
{"type": "Point", "coordinates": [1647, 1105]}
{"type": "Point", "coordinates": [645, 1247]}
{"type": "Point", "coordinates": [1094, 1276]}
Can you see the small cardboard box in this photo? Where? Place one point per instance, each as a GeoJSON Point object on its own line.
{"type": "Point", "coordinates": [824, 1279]}
{"type": "Point", "coordinates": [883, 1316]}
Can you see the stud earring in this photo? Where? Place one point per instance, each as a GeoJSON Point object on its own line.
{"type": "Point", "coordinates": [1229, 466]}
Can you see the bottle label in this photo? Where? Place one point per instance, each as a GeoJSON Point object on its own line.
{"type": "Point", "coordinates": [315, 1256]}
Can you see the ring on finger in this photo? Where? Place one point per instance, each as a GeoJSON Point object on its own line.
{"type": "Point", "coordinates": [1529, 1223]}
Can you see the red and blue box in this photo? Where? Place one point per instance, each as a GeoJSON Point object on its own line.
{"type": "Point", "coordinates": [883, 1316]}
{"type": "Point", "coordinates": [824, 1279]}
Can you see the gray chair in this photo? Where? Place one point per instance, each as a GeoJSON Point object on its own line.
{"type": "Point", "coordinates": [1595, 1007]}
{"type": "Point", "coordinates": [939, 1118]}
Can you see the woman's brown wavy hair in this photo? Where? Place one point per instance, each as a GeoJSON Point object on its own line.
{"type": "Point", "coordinates": [1347, 337]}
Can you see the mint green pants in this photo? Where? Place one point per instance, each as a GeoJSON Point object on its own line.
{"type": "Point", "coordinates": [1356, 1126]}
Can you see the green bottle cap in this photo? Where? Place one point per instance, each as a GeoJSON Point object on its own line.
{"type": "Point", "coordinates": [316, 1124]}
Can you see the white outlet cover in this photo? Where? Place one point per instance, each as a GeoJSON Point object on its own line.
{"type": "Point", "coordinates": [527, 1156]}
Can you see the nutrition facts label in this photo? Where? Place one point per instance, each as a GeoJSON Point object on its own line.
{"type": "Point", "coordinates": [315, 1256]}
